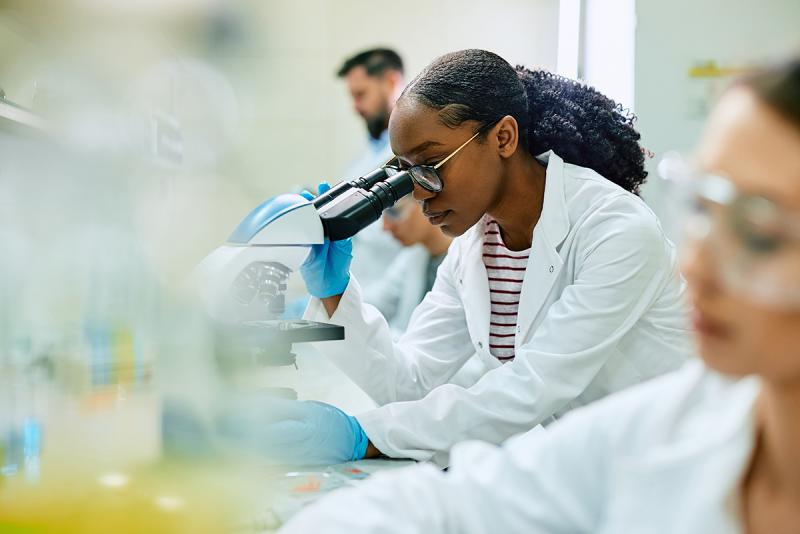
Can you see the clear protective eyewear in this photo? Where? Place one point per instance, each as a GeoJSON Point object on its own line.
{"type": "Point", "coordinates": [754, 242]}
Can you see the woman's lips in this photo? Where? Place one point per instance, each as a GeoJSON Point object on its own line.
{"type": "Point", "coordinates": [707, 326]}
{"type": "Point", "coordinates": [436, 217]}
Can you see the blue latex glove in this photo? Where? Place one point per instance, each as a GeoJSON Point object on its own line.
{"type": "Point", "coordinates": [326, 271]}
{"type": "Point", "coordinates": [294, 432]}
{"type": "Point", "coordinates": [183, 433]}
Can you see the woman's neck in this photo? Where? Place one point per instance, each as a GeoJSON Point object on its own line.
{"type": "Point", "coordinates": [779, 417]}
{"type": "Point", "coordinates": [520, 203]}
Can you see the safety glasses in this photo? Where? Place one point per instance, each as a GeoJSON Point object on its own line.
{"type": "Point", "coordinates": [427, 176]}
{"type": "Point", "coordinates": [757, 223]}
{"type": "Point", "coordinates": [755, 244]}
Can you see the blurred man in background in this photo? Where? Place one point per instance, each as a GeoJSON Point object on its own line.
{"type": "Point", "coordinates": [374, 79]}
{"type": "Point", "coordinates": [413, 271]}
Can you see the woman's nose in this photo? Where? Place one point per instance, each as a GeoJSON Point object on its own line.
{"type": "Point", "coordinates": [420, 193]}
{"type": "Point", "coordinates": [698, 266]}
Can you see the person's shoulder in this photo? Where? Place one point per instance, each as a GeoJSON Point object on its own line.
{"type": "Point", "coordinates": [406, 259]}
{"type": "Point", "coordinates": [578, 177]}
{"type": "Point", "coordinates": [586, 187]}
{"type": "Point", "coordinates": [414, 259]}
{"type": "Point", "coordinates": [585, 184]}
{"type": "Point", "coordinates": [684, 404]}
{"type": "Point", "coordinates": [597, 205]}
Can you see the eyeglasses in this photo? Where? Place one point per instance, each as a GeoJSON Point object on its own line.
{"type": "Point", "coordinates": [427, 176]}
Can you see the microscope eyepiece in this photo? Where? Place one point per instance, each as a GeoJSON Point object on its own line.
{"type": "Point", "coordinates": [354, 208]}
{"type": "Point", "coordinates": [363, 182]}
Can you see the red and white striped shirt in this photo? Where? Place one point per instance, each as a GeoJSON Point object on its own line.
{"type": "Point", "coordinates": [506, 270]}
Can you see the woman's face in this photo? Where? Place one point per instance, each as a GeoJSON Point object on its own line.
{"type": "Point", "coordinates": [471, 179]}
{"type": "Point", "coordinates": [759, 152]}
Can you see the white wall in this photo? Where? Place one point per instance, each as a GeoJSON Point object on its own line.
{"type": "Point", "coordinates": [673, 36]}
{"type": "Point", "coordinates": [607, 53]}
{"type": "Point", "coordinates": [305, 129]}
{"type": "Point", "coordinates": [263, 102]}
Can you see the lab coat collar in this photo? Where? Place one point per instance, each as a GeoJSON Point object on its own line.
{"type": "Point", "coordinates": [697, 472]}
{"type": "Point", "coordinates": [545, 263]}
{"type": "Point", "coordinates": [733, 413]}
{"type": "Point", "coordinates": [554, 221]}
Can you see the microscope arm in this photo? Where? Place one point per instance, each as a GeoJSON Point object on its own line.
{"type": "Point", "coordinates": [245, 279]}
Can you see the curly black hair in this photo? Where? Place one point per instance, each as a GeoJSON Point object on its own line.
{"type": "Point", "coordinates": [580, 124]}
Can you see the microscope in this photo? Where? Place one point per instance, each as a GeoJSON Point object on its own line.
{"type": "Point", "coordinates": [243, 283]}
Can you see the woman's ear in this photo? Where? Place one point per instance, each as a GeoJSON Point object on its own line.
{"type": "Point", "coordinates": [506, 132]}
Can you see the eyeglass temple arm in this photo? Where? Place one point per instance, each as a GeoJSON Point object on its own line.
{"type": "Point", "coordinates": [445, 160]}
{"type": "Point", "coordinates": [456, 151]}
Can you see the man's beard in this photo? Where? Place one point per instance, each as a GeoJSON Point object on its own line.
{"type": "Point", "coordinates": [378, 123]}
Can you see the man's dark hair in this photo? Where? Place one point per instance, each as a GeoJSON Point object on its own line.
{"type": "Point", "coordinates": [580, 124]}
{"type": "Point", "coordinates": [376, 62]}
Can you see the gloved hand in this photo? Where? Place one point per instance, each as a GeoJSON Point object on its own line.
{"type": "Point", "coordinates": [293, 432]}
{"type": "Point", "coordinates": [326, 271]}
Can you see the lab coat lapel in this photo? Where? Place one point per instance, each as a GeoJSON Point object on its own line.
{"type": "Point", "coordinates": [474, 286]}
{"type": "Point", "coordinates": [545, 263]}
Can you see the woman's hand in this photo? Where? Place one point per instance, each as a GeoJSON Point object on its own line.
{"type": "Point", "coordinates": [293, 432]}
{"type": "Point", "coordinates": [326, 271]}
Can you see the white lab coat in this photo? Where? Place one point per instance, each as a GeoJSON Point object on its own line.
{"type": "Point", "coordinates": [601, 309]}
{"type": "Point", "coordinates": [400, 295]}
{"type": "Point", "coordinates": [402, 287]}
{"type": "Point", "coordinates": [664, 457]}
